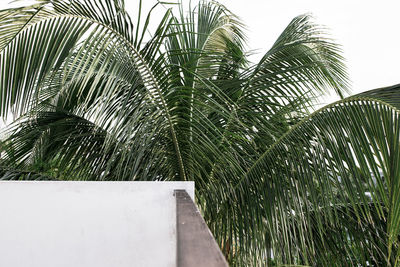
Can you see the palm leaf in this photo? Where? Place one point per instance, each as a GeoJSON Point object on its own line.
{"type": "Point", "coordinates": [343, 156]}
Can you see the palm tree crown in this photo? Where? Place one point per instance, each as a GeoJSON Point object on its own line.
{"type": "Point", "coordinates": [97, 98]}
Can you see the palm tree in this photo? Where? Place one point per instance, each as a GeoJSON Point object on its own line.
{"type": "Point", "coordinates": [98, 98]}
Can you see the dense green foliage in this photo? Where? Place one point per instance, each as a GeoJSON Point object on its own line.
{"type": "Point", "coordinates": [97, 98]}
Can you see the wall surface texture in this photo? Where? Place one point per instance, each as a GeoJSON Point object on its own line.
{"type": "Point", "coordinates": [80, 224]}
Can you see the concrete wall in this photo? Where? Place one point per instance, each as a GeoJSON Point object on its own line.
{"type": "Point", "coordinates": [88, 224]}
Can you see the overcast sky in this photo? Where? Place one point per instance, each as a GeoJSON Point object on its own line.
{"type": "Point", "coordinates": [367, 30]}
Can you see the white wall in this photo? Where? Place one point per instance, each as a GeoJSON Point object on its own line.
{"type": "Point", "coordinates": [88, 224]}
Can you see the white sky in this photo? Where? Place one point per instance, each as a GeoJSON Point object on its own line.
{"type": "Point", "coordinates": [368, 31]}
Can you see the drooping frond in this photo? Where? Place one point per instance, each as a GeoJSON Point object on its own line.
{"type": "Point", "coordinates": [301, 61]}
{"type": "Point", "coordinates": [327, 190]}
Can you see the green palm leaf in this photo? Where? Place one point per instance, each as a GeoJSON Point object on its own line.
{"type": "Point", "coordinates": [341, 160]}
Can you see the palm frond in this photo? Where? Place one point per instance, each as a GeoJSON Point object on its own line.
{"type": "Point", "coordinates": [301, 61]}
{"type": "Point", "coordinates": [342, 157]}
